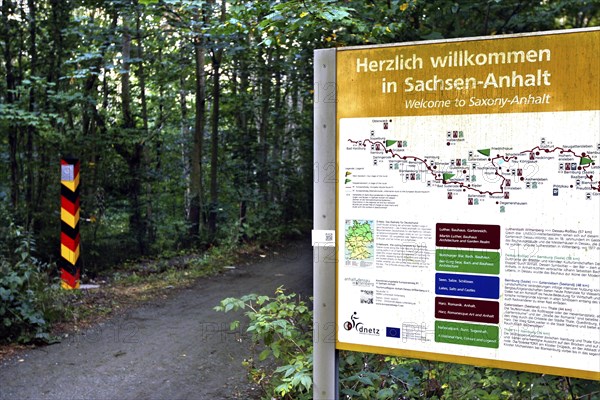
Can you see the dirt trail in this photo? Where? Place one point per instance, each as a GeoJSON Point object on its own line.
{"type": "Point", "coordinates": [178, 348]}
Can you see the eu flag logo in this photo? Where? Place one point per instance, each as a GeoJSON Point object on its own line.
{"type": "Point", "coordinates": [392, 332]}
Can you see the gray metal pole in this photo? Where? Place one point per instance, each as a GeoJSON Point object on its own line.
{"type": "Point", "coordinates": [325, 168]}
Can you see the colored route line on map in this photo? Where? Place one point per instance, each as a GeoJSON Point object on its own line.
{"type": "Point", "coordinates": [584, 163]}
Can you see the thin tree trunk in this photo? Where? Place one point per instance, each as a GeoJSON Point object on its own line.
{"type": "Point", "coordinates": [185, 131]}
{"type": "Point", "coordinates": [196, 187]}
{"type": "Point", "coordinates": [264, 171]}
{"type": "Point", "coordinates": [214, 151]}
{"type": "Point", "coordinates": [242, 149]}
{"type": "Point", "coordinates": [217, 58]}
{"type": "Point", "coordinates": [58, 18]}
{"type": "Point", "coordinates": [133, 157]}
{"type": "Point", "coordinates": [128, 122]}
{"type": "Point", "coordinates": [279, 129]}
{"type": "Point", "coordinates": [141, 74]}
{"type": "Point", "coordinates": [29, 186]}
{"type": "Point", "coordinates": [7, 10]}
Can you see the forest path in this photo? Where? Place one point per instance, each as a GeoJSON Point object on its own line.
{"type": "Point", "coordinates": [175, 348]}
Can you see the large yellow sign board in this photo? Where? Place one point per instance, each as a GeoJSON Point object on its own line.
{"type": "Point", "coordinates": [468, 201]}
{"type": "Point", "coordinates": [519, 74]}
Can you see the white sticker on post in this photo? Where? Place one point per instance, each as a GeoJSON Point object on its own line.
{"type": "Point", "coordinates": [323, 238]}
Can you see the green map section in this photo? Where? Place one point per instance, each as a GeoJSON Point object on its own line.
{"type": "Point", "coordinates": [479, 262]}
{"type": "Point", "coordinates": [359, 238]}
{"type": "Point", "coordinates": [467, 334]}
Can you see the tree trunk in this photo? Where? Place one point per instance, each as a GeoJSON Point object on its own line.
{"type": "Point", "coordinates": [31, 168]}
{"type": "Point", "coordinates": [134, 156]}
{"type": "Point", "coordinates": [242, 149]}
{"type": "Point", "coordinates": [185, 131]}
{"type": "Point", "coordinates": [280, 134]}
{"type": "Point", "coordinates": [217, 58]}
{"type": "Point", "coordinates": [214, 150]}
{"type": "Point", "coordinates": [58, 20]}
{"type": "Point", "coordinates": [264, 171]}
{"type": "Point", "coordinates": [7, 9]}
{"type": "Point", "coordinates": [128, 121]}
{"type": "Point", "coordinates": [196, 187]}
{"type": "Point", "coordinates": [149, 233]}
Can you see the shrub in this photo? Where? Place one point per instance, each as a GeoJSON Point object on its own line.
{"type": "Point", "coordinates": [281, 328]}
{"type": "Point", "coordinates": [282, 334]}
{"type": "Point", "coordinates": [26, 294]}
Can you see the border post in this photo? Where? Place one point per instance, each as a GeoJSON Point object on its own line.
{"type": "Point", "coordinates": [70, 261]}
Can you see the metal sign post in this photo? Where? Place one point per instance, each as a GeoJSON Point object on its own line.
{"type": "Point", "coordinates": [324, 355]}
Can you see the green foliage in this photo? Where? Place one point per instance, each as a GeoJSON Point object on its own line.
{"type": "Point", "coordinates": [281, 331]}
{"type": "Point", "coordinates": [371, 376]}
{"type": "Point", "coordinates": [369, 22]}
{"type": "Point", "coordinates": [25, 292]}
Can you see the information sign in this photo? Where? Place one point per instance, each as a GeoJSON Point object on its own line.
{"type": "Point", "coordinates": [468, 201]}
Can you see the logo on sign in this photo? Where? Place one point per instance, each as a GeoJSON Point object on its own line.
{"type": "Point", "coordinates": [353, 324]}
{"type": "Point", "coordinates": [392, 332]}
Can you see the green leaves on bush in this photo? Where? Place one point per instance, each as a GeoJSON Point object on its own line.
{"type": "Point", "coordinates": [24, 286]}
{"type": "Point", "coordinates": [281, 329]}
{"type": "Point", "coordinates": [282, 335]}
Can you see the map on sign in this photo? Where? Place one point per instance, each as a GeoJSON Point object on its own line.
{"type": "Point", "coordinates": [500, 173]}
{"type": "Point", "coordinates": [473, 168]}
{"type": "Point", "coordinates": [359, 242]}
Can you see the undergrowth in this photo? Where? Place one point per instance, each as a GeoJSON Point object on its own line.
{"type": "Point", "coordinates": [30, 299]}
{"type": "Point", "coordinates": [34, 309]}
{"type": "Point", "coordinates": [280, 361]}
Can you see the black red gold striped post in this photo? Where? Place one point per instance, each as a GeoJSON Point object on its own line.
{"type": "Point", "coordinates": [70, 263]}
